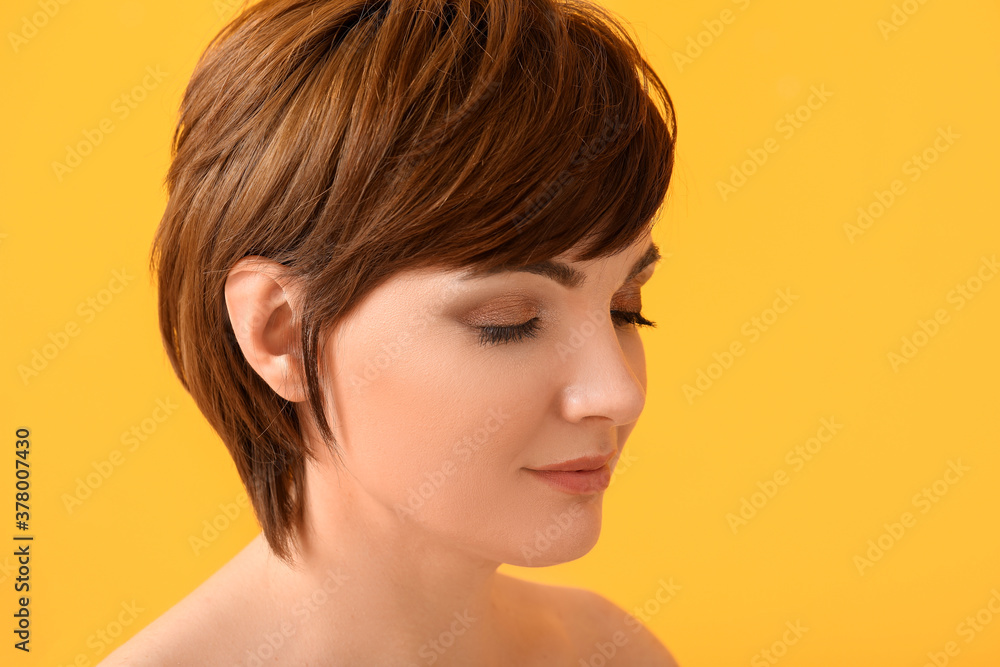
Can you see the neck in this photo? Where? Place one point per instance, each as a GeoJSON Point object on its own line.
{"type": "Point", "coordinates": [366, 582]}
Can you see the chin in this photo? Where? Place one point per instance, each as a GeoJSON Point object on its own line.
{"type": "Point", "coordinates": [559, 536]}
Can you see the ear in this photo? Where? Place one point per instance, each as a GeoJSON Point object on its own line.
{"type": "Point", "coordinates": [261, 298]}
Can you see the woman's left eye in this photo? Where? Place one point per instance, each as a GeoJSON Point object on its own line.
{"type": "Point", "coordinates": [631, 317]}
{"type": "Point", "coordinates": [497, 335]}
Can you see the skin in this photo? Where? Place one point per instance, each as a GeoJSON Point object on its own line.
{"type": "Point", "coordinates": [415, 519]}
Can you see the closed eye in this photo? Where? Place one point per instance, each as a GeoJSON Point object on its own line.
{"type": "Point", "coordinates": [515, 333]}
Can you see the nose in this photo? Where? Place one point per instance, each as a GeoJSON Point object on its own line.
{"type": "Point", "coordinates": [604, 372]}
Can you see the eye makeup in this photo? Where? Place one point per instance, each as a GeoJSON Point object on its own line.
{"type": "Point", "coordinates": [500, 334]}
{"type": "Point", "coordinates": [528, 325]}
{"type": "Point", "coordinates": [516, 316]}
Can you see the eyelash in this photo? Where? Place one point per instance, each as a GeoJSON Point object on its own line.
{"type": "Point", "coordinates": [499, 335]}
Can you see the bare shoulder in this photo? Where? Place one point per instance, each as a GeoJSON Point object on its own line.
{"type": "Point", "coordinates": [188, 633]}
{"type": "Point", "coordinates": [600, 629]}
{"type": "Point", "coordinates": [154, 645]}
{"type": "Point", "coordinates": [206, 627]}
{"type": "Point", "coordinates": [636, 645]}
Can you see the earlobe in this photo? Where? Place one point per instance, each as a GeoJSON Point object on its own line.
{"type": "Point", "coordinates": [261, 309]}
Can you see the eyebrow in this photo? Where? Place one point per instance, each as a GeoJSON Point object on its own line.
{"type": "Point", "coordinates": [563, 273]}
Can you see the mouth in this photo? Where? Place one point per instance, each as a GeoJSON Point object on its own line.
{"type": "Point", "coordinates": [576, 481]}
{"type": "Point", "coordinates": [582, 464]}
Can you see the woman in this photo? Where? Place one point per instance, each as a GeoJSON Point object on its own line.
{"type": "Point", "coordinates": [399, 271]}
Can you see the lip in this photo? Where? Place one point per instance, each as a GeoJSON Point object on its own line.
{"type": "Point", "coordinates": [582, 464]}
{"type": "Point", "coordinates": [576, 481]}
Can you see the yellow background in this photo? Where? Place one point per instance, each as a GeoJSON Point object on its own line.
{"type": "Point", "coordinates": [693, 462]}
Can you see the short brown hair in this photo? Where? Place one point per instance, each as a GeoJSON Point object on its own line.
{"type": "Point", "coordinates": [353, 139]}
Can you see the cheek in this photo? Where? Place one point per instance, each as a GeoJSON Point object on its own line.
{"type": "Point", "coordinates": [426, 424]}
{"type": "Point", "coordinates": [437, 431]}
{"type": "Point", "coordinates": [635, 353]}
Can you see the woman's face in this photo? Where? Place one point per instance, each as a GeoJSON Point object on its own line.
{"type": "Point", "coordinates": [440, 422]}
